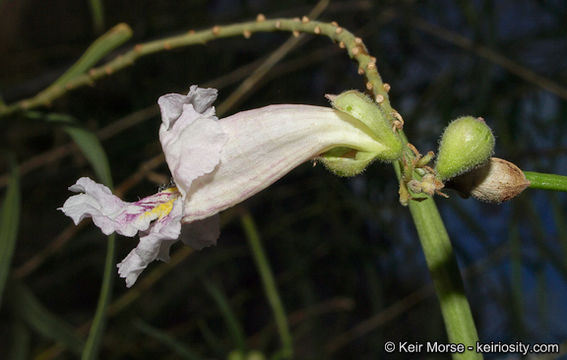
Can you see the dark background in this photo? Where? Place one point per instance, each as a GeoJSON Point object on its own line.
{"type": "Point", "coordinates": [348, 263]}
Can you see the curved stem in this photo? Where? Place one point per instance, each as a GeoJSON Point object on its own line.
{"type": "Point", "coordinates": [345, 39]}
{"type": "Point", "coordinates": [546, 181]}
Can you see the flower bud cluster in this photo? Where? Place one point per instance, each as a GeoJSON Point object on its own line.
{"type": "Point", "coordinates": [465, 164]}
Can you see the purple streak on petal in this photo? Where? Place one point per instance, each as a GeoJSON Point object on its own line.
{"type": "Point", "coordinates": [110, 213]}
{"type": "Point", "coordinates": [154, 244]}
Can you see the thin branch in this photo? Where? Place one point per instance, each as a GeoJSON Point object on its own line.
{"type": "Point", "coordinates": [345, 39]}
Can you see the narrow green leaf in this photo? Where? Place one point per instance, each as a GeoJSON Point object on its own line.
{"type": "Point", "coordinates": [93, 151]}
{"type": "Point", "coordinates": [211, 339]}
{"type": "Point", "coordinates": [97, 14]}
{"type": "Point", "coordinates": [270, 288]}
{"type": "Point", "coordinates": [109, 41]}
{"type": "Point", "coordinates": [9, 221]}
{"type": "Point", "coordinates": [20, 341]}
{"type": "Point", "coordinates": [234, 328]}
{"type": "Point", "coordinates": [96, 333]}
{"type": "Point", "coordinates": [161, 336]}
{"type": "Point", "coordinates": [86, 141]}
{"type": "Point", "coordinates": [42, 320]}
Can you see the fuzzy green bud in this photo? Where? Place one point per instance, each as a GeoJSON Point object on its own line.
{"type": "Point", "coordinates": [372, 120]}
{"type": "Point", "coordinates": [466, 143]}
{"type": "Point", "coordinates": [371, 115]}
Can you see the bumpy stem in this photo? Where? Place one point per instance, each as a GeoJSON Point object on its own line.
{"type": "Point", "coordinates": [546, 181]}
{"type": "Point", "coordinates": [344, 38]}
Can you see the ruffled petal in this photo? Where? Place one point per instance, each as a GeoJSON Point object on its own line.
{"type": "Point", "coordinates": [154, 244]}
{"type": "Point", "coordinates": [193, 143]}
{"type": "Point", "coordinates": [110, 213]}
{"type": "Point", "coordinates": [201, 98]}
{"type": "Point", "coordinates": [171, 107]}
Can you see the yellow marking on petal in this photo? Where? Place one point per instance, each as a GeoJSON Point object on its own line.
{"type": "Point", "coordinates": [163, 209]}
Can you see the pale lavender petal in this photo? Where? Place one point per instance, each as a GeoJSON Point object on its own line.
{"type": "Point", "coordinates": [263, 145]}
{"type": "Point", "coordinates": [110, 213]}
{"type": "Point", "coordinates": [154, 244]}
{"type": "Point", "coordinates": [201, 98]}
{"type": "Point", "coordinates": [201, 233]}
{"type": "Point", "coordinates": [171, 107]}
{"type": "Point", "coordinates": [96, 202]}
{"type": "Point", "coordinates": [192, 145]}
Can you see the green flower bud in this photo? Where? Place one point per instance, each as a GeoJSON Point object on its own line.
{"type": "Point", "coordinates": [466, 143]}
{"type": "Point", "coordinates": [372, 119]}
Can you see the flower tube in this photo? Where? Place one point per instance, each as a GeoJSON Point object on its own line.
{"type": "Point", "coordinates": [216, 164]}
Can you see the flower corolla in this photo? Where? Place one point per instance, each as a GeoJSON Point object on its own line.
{"type": "Point", "coordinates": [216, 164]}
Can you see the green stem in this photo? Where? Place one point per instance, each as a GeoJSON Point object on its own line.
{"type": "Point", "coordinates": [236, 331]}
{"type": "Point", "coordinates": [269, 285]}
{"type": "Point", "coordinates": [101, 47]}
{"type": "Point", "coordinates": [353, 45]}
{"type": "Point", "coordinates": [96, 333]}
{"type": "Point", "coordinates": [447, 281]}
{"type": "Point", "coordinates": [546, 181]}
{"type": "Point", "coordinates": [444, 270]}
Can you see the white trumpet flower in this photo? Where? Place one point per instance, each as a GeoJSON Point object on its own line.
{"type": "Point", "coordinates": [216, 164]}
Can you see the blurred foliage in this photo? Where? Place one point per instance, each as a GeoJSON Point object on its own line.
{"type": "Point", "coordinates": [345, 256]}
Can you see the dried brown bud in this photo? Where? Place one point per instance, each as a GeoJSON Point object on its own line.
{"type": "Point", "coordinates": [496, 181]}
